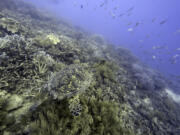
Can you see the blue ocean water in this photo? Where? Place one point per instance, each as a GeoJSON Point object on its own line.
{"type": "Point", "coordinates": [150, 29]}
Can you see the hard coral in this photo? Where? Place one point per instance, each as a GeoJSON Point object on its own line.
{"type": "Point", "coordinates": [46, 40]}
{"type": "Point", "coordinates": [74, 106]}
{"type": "Point", "coordinates": [53, 38]}
{"type": "Point", "coordinates": [97, 118]}
{"type": "Point", "coordinates": [10, 25]}
{"type": "Point", "coordinates": [69, 81]}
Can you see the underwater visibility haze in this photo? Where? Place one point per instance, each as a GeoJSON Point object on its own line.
{"type": "Point", "coordinates": [150, 29]}
{"type": "Point", "coordinates": [89, 67]}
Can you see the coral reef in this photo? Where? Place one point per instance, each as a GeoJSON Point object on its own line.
{"type": "Point", "coordinates": [9, 25]}
{"type": "Point", "coordinates": [97, 117]}
{"type": "Point", "coordinates": [56, 78]}
{"type": "Point", "coordinates": [47, 40]}
{"type": "Point", "coordinates": [69, 81]}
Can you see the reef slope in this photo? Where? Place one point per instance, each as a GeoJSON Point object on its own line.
{"type": "Point", "coordinates": [57, 79]}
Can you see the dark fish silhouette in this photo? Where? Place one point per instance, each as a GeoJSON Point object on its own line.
{"type": "Point", "coordinates": [130, 9]}
{"type": "Point", "coordinates": [55, 1]}
{"type": "Point", "coordinates": [101, 5]}
{"type": "Point", "coordinates": [129, 23]}
{"type": "Point", "coordinates": [137, 24]}
{"type": "Point", "coordinates": [177, 32]}
{"type": "Point", "coordinates": [153, 20]}
{"type": "Point", "coordinates": [163, 22]}
{"type": "Point", "coordinates": [121, 15]}
{"type": "Point", "coordinates": [81, 6]}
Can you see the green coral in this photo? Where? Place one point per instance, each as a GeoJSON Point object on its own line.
{"type": "Point", "coordinates": [5, 119]}
{"type": "Point", "coordinates": [105, 71]}
{"type": "Point", "coordinates": [4, 41]}
{"type": "Point", "coordinates": [10, 25]}
{"type": "Point", "coordinates": [3, 111]}
{"type": "Point", "coordinates": [19, 71]}
{"type": "Point", "coordinates": [74, 106]}
{"type": "Point", "coordinates": [69, 81]}
{"type": "Point", "coordinates": [98, 38]}
{"type": "Point", "coordinates": [97, 118]}
{"type": "Point", "coordinates": [46, 40]}
{"type": "Point", "coordinates": [53, 38]}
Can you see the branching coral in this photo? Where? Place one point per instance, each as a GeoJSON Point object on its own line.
{"type": "Point", "coordinates": [9, 25]}
{"type": "Point", "coordinates": [41, 67]}
{"type": "Point", "coordinates": [97, 118]}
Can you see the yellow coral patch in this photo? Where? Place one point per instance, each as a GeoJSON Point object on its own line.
{"type": "Point", "coordinates": [53, 38]}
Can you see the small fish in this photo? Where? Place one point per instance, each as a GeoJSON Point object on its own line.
{"type": "Point", "coordinates": [121, 15]}
{"type": "Point", "coordinates": [153, 57]}
{"type": "Point", "coordinates": [54, 1]}
{"type": "Point", "coordinates": [159, 47]}
{"type": "Point", "coordinates": [74, 3]}
{"type": "Point", "coordinates": [147, 35]}
{"type": "Point", "coordinates": [141, 41]}
{"type": "Point", "coordinates": [174, 59]}
{"type": "Point", "coordinates": [163, 22]}
{"type": "Point", "coordinates": [102, 4]}
{"type": "Point", "coordinates": [175, 56]}
{"type": "Point", "coordinates": [129, 23]}
{"type": "Point", "coordinates": [112, 14]}
{"type": "Point", "coordinates": [129, 14]}
{"type": "Point", "coordinates": [154, 47]}
{"type": "Point", "coordinates": [115, 8]}
{"type": "Point", "coordinates": [130, 9]}
{"type": "Point", "coordinates": [87, 3]}
{"type": "Point", "coordinates": [177, 32]}
{"type": "Point", "coordinates": [137, 24]}
{"type": "Point", "coordinates": [81, 6]}
{"type": "Point", "coordinates": [153, 20]}
{"type": "Point", "coordinates": [158, 35]}
{"type": "Point", "coordinates": [130, 29]}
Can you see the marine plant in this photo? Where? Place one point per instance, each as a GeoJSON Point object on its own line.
{"type": "Point", "coordinates": [5, 119]}
{"type": "Point", "coordinates": [96, 118]}
{"type": "Point", "coordinates": [105, 71]}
